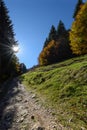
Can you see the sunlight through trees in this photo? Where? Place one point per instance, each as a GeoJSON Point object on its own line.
{"type": "Point", "coordinates": [8, 60]}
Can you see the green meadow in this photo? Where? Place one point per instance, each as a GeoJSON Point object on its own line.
{"type": "Point", "coordinates": [63, 88]}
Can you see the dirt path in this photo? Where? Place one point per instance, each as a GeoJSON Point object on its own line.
{"type": "Point", "coordinates": [22, 110]}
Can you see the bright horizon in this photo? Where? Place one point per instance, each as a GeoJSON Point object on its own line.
{"type": "Point", "coordinates": [32, 22]}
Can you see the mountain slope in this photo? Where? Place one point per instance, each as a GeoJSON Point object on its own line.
{"type": "Point", "coordinates": [62, 87]}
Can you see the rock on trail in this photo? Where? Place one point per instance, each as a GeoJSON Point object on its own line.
{"type": "Point", "coordinates": [21, 110]}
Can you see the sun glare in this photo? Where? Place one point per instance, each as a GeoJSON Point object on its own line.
{"type": "Point", "coordinates": [15, 48]}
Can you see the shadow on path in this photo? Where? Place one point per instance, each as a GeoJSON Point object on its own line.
{"type": "Point", "coordinates": [7, 112]}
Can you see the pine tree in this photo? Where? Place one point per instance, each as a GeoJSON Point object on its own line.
{"type": "Point", "coordinates": [61, 30]}
{"type": "Point", "coordinates": [78, 33]}
{"type": "Point", "coordinates": [46, 43]}
{"type": "Point", "coordinates": [52, 34]}
{"type": "Point", "coordinates": [64, 51]}
{"type": "Point", "coordinates": [78, 7]}
{"type": "Point", "coordinates": [7, 40]}
{"type": "Point", "coordinates": [57, 49]}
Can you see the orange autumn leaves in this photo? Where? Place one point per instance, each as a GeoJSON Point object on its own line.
{"type": "Point", "coordinates": [55, 51]}
{"type": "Point", "coordinates": [49, 53]}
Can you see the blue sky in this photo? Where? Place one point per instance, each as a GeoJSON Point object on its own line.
{"type": "Point", "coordinates": [32, 20]}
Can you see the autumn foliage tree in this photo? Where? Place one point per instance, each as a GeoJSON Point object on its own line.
{"type": "Point", "coordinates": [48, 54]}
{"type": "Point", "coordinates": [56, 46]}
{"type": "Point", "coordinates": [78, 33]}
{"type": "Point", "coordinates": [77, 8]}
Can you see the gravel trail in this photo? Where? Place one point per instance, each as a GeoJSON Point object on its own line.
{"type": "Point", "coordinates": [23, 110]}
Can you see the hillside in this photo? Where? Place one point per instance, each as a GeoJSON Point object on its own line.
{"type": "Point", "coordinates": [63, 88]}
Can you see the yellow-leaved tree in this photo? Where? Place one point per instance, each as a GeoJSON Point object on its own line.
{"type": "Point", "coordinates": [78, 33]}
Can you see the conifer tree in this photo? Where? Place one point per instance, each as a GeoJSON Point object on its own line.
{"type": "Point", "coordinates": [46, 42]}
{"type": "Point", "coordinates": [57, 49]}
{"type": "Point", "coordinates": [7, 40]}
{"type": "Point", "coordinates": [78, 7]}
{"type": "Point", "coordinates": [64, 51]}
{"type": "Point", "coordinates": [52, 34]}
{"type": "Point", "coordinates": [61, 30]}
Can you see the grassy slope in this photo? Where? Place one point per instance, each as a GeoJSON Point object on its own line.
{"type": "Point", "coordinates": [63, 86]}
